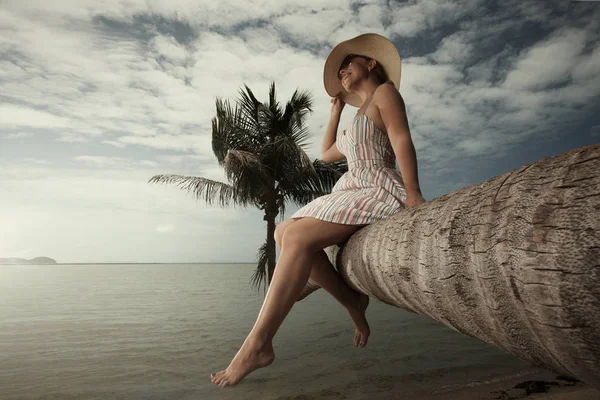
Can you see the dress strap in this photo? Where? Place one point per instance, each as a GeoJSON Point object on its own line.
{"type": "Point", "coordinates": [367, 105]}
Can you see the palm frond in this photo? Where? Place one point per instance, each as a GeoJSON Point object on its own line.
{"type": "Point", "coordinates": [259, 277]}
{"type": "Point", "coordinates": [201, 188]}
{"type": "Point", "coordinates": [313, 186]}
{"type": "Point", "coordinates": [295, 161]}
{"type": "Point", "coordinates": [294, 168]}
{"type": "Point", "coordinates": [230, 130]}
{"type": "Point", "coordinates": [252, 110]}
{"type": "Point", "coordinates": [299, 134]}
{"type": "Point", "coordinates": [328, 173]}
{"type": "Point", "coordinates": [292, 120]}
{"type": "Point", "coordinates": [246, 172]}
{"type": "Point", "coordinates": [296, 109]}
{"type": "Point", "coordinates": [302, 195]}
{"type": "Point", "coordinates": [237, 160]}
{"type": "Point", "coordinates": [273, 103]}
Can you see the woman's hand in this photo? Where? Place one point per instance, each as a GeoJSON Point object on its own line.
{"type": "Point", "coordinates": [337, 105]}
{"type": "Point", "coordinates": [413, 199]}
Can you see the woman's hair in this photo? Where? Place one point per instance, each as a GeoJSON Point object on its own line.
{"type": "Point", "coordinates": [378, 72]}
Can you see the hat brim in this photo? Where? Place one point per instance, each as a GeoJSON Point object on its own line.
{"type": "Point", "coordinates": [370, 45]}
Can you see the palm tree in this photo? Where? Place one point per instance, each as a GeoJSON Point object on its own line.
{"type": "Point", "coordinates": [513, 261]}
{"type": "Point", "coordinates": [261, 146]}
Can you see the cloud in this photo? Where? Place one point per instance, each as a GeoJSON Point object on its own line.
{"type": "Point", "coordinates": [100, 161]}
{"type": "Point", "coordinates": [149, 163]}
{"type": "Point", "coordinates": [115, 143]}
{"type": "Point", "coordinates": [552, 60]}
{"type": "Point", "coordinates": [183, 162]}
{"type": "Point", "coordinates": [165, 228]}
{"type": "Point", "coordinates": [35, 161]}
{"type": "Point", "coordinates": [147, 73]}
{"type": "Point", "coordinates": [197, 143]}
{"type": "Point", "coordinates": [17, 116]}
{"type": "Point", "coordinates": [415, 17]}
{"type": "Point", "coordinates": [169, 48]}
{"type": "Point", "coordinates": [453, 49]}
{"type": "Point", "coordinates": [121, 91]}
{"type": "Point", "coordinates": [19, 135]}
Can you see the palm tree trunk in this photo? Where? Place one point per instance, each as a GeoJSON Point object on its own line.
{"type": "Point", "coordinates": [271, 251]}
{"type": "Point", "coordinates": [513, 261]}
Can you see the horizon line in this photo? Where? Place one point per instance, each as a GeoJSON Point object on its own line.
{"type": "Point", "coordinates": [103, 263]}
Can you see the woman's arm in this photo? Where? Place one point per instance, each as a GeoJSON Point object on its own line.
{"type": "Point", "coordinates": [329, 151]}
{"type": "Point", "coordinates": [332, 154]}
{"type": "Point", "coordinates": [393, 113]}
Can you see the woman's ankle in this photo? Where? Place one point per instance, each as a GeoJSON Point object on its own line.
{"type": "Point", "coordinates": [258, 339]}
{"type": "Point", "coordinates": [354, 303]}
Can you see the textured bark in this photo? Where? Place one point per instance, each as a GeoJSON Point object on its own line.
{"type": "Point", "coordinates": [271, 246]}
{"type": "Point", "coordinates": [513, 261]}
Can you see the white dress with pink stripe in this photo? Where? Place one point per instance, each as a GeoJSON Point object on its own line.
{"type": "Point", "coordinates": [371, 189]}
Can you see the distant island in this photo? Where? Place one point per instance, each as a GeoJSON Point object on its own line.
{"type": "Point", "coordinates": [22, 261]}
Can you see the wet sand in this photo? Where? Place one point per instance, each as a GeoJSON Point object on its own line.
{"type": "Point", "coordinates": [541, 385]}
{"type": "Point", "coordinates": [534, 384]}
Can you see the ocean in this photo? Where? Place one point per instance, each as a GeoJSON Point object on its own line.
{"type": "Point", "coordinates": [157, 331]}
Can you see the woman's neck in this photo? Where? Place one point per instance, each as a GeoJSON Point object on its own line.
{"type": "Point", "coordinates": [366, 89]}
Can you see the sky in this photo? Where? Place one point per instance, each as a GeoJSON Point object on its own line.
{"type": "Point", "coordinates": [98, 96]}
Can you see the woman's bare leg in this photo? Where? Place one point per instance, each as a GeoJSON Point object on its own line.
{"type": "Point", "coordinates": [300, 242]}
{"type": "Point", "coordinates": [324, 274]}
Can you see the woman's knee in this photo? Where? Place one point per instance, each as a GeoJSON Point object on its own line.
{"type": "Point", "coordinates": [293, 235]}
{"type": "Point", "coordinates": [280, 230]}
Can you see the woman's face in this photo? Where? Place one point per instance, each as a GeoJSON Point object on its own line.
{"type": "Point", "coordinates": [352, 69]}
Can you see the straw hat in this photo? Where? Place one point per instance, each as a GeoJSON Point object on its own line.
{"type": "Point", "coordinates": [370, 45]}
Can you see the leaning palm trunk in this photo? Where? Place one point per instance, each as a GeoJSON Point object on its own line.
{"type": "Point", "coordinates": [514, 261]}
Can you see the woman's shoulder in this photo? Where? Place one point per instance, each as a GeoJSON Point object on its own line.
{"type": "Point", "coordinates": [387, 90]}
{"type": "Point", "coordinates": [387, 94]}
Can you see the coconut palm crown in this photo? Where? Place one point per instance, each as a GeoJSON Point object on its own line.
{"type": "Point", "coordinates": [261, 147]}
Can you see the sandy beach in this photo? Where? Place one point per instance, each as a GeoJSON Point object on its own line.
{"type": "Point", "coordinates": [538, 385]}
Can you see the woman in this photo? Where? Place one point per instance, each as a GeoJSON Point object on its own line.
{"type": "Point", "coordinates": [363, 72]}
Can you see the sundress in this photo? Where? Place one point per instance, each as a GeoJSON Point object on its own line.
{"type": "Point", "coordinates": [371, 189]}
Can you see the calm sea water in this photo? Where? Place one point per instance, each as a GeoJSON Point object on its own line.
{"type": "Point", "coordinates": [158, 331]}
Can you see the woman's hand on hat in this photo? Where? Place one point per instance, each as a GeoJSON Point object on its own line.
{"type": "Point", "coordinates": [337, 105]}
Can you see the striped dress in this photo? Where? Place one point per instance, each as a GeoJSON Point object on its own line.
{"type": "Point", "coordinates": [371, 189]}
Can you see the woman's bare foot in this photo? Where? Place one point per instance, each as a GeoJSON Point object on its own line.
{"type": "Point", "coordinates": [361, 330]}
{"type": "Point", "coordinates": [251, 356]}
